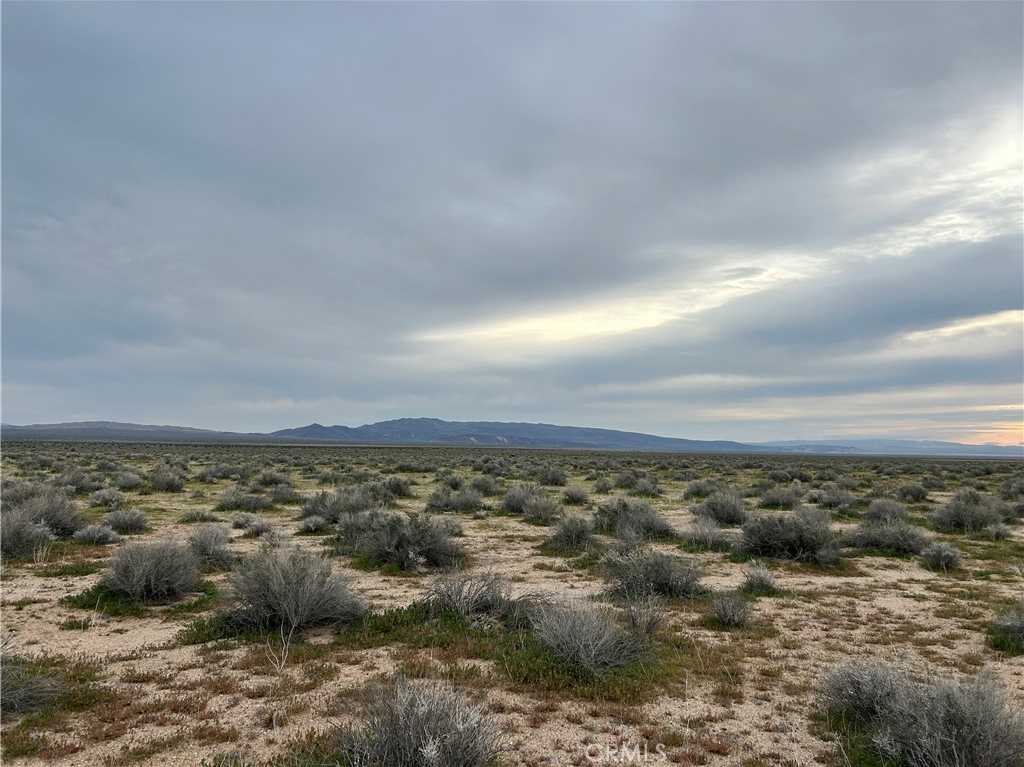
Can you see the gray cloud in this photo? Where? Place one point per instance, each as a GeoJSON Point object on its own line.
{"type": "Point", "coordinates": [247, 216]}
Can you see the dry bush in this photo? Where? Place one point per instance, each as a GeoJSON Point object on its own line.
{"type": "Point", "coordinates": [209, 544]}
{"type": "Point", "coordinates": [938, 723]}
{"type": "Point", "coordinates": [424, 725]}
{"type": "Point", "coordinates": [97, 535]}
{"type": "Point", "coordinates": [758, 580]}
{"type": "Point", "coordinates": [586, 637]}
{"type": "Point", "coordinates": [291, 589]}
{"type": "Point", "coordinates": [895, 537]}
{"type": "Point", "coordinates": [573, 533]}
{"type": "Point", "coordinates": [25, 686]}
{"type": "Point", "coordinates": [630, 517]}
{"type": "Point", "coordinates": [152, 572]}
{"type": "Point", "coordinates": [405, 541]}
{"type": "Point", "coordinates": [20, 535]}
{"type": "Point", "coordinates": [804, 535]}
{"type": "Point", "coordinates": [941, 556]}
{"type": "Point", "coordinates": [126, 521]}
{"type": "Point", "coordinates": [575, 496]}
{"type": "Point", "coordinates": [640, 572]}
{"type": "Point", "coordinates": [730, 610]}
{"type": "Point", "coordinates": [723, 506]}
{"type": "Point", "coordinates": [968, 512]}
{"type": "Point", "coordinates": [55, 510]}
{"type": "Point", "coordinates": [885, 510]}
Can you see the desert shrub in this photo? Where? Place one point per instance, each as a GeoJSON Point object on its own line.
{"type": "Point", "coordinates": [166, 479]}
{"type": "Point", "coordinates": [602, 485]}
{"type": "Point", "coordinates": [235, 499]}
{"type": "Point", "coordinates": [758, 580]}
{"type": "Point", "coordinates": [55, 510]}
{"type": "Point", "coordinates": [15, 492]}
{"type": "Point", "coordinates": [26, 686]}
{"type": "Point", "coordinates": [730, 610]}
{"type": "Point", "coordinates": [780, 498]}
{"type": "Point", "coordinates": [451, 481]}
{"type": "Point", "coordinates": [706, 535]}
{"type": "Point", "coordinates": [573, 533]}
{"type": "Point", "coordinates": [926, 724]}
{"type": "Point", "coordinates": [396, 487]}
{"type": "Point", "coordinates": [575, 496]}
{"type": "Point", "coordinates": [646, 487]}
{"type": "Point", "coordinates": [445, 499]}
{"type": "Point", "coordinates": [128, 481]}
{"type": "Point", "coordinates": [723, 506]}
{"type": "Point", "coordinates": [329, 506]}
{"type": "Point", "coordinates": [968, 511]}
{"type": "Point", "coordinates": [629, 517]}
{"type": "Point", "coordinates": [468, 595]}
{"type": "Point", "coordinates": [804, 535]}
{"type": "Point", "coordinates": [518, 496]}
{"type": "Point", "coordinates": [97, 535]}
{"type": "Point", "coordinates": [858, 692]}
{"type": "Point", "coordinates": [405, 541]}
{"type": "Point", "coordinates": [552, 475]}
{"type": "Point", "coordinates": [271, 478]}
{"type": "Point", "coordinates": [700, 488]}
{"type": "Point", "coordinates": [152, 572]}
{"type": "Point", "coordinates": [644, 615]}
{"type": "Point", "coordinates": [126, 521]}
{"type": "Point", "coordinates": [209, 544]}
{"type": "Point", "coordinates": [313, 525]}
{"type": "Point", "coordinates": [940, 556]}
{"type": "Point", "coordinates": [486, 484]}
{"type": "Point", "coordinates": [1012, 488]}
{"type": "Point", "coordinates": [199, 515]}
{"type": "Point", "coordinates": [885, 510]}
{"type": "Point", "coordinates": [833, 496]}
{"type": "Point", "coordinates": [257, 527]}
{"type": "Point", "coordinates": [912, 493]}
{"type": "Point", "coordinates": [244, 520]}
{"type": "Point", "coordinates": [285, 493]}
{"type": "Point", "coordinates": [625, 480]}
{"type": "Point", "coordinates": [997, 532]}
{"type": "Point", "coordinates": [586, 637]}
{"type": "Point", "coordinates": [1006, 631]}
{"type": "Point", "coordinates": [108, 497]}
{"type": "Point", "coordinates": [78, 481]}
{"type": "Point", "coordinates": [20, 535]}
{"type": "Point", "coordinates": [420, 726]}
{"type": "Point", "coordinates": [224, 471]}
{"type": "Point", "coordinates": [640, 572]}
{"type": "Point", "coordinates": [541, 510]}
{"type": "Point", "coordinates": [895, 537]}
{"type": "Point", "coordinates": [291, 589]}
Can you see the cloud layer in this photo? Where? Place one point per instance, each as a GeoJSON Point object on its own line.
{"type": "Point", "coordinates": [704, 220]}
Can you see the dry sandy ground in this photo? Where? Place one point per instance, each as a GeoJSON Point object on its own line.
{"type": "Point", "coordinates": [747, 697]}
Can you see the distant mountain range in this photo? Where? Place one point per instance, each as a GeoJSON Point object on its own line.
{"type": "Point", "coordinates": [434, 431]}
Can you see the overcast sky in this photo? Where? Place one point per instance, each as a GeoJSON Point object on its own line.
{"type": "Point", "coordinates": [706, 220]}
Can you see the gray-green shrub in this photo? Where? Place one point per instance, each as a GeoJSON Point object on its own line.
{"type": "Point", "coordinates": [152, 572]}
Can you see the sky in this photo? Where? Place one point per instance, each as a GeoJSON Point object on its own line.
{"type": "Point", "coordinates": [734, 221]}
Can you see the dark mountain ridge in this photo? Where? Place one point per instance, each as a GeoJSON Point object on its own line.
{"type": "Point", "coordinates": [434, 431]}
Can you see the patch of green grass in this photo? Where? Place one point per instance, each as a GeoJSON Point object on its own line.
{"type": "Point", "coordinates": [78, 691]}
{"type": "Point", "coordinates": [69, 569]}
{"type": "Point", "coordinates": [854, 743]}
{"type": "Point", "coordinates": [533, 668]}
{"type": "Point", "coordinates": [103, 600]}
{"type": "Point", "coordinates": [206, 601]}
{"type": "Point", "coordinates": [213, 628]}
